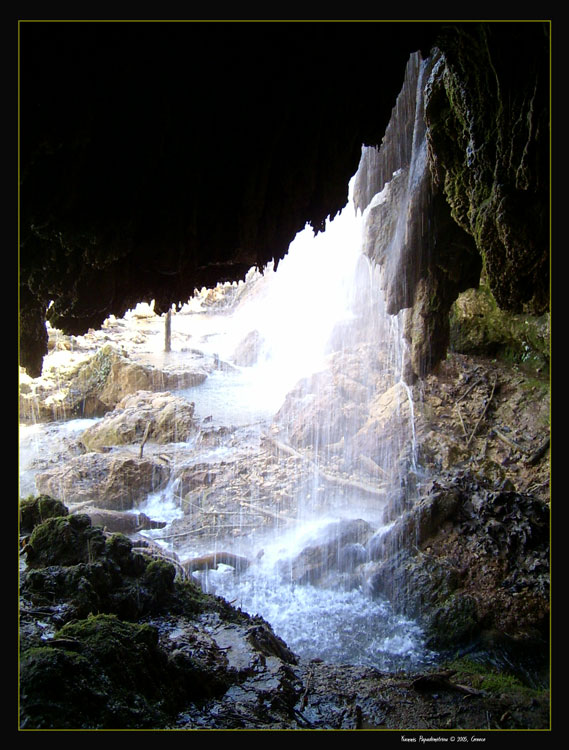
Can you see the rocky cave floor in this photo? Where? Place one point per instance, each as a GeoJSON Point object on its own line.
{"type": "Point", "coordinates": [161, 654]}
{"type": "Point", "coordinates": [115, 635]}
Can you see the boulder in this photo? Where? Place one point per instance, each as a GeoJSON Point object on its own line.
{"type": "Point", "coordinates": [339, 547]}
{"type": "Point", "coordinates": [158, 417]}
{"type": "Point", "coordinates": [127, 377]}
{"type": "Point", "coordinates": [97, 384]}
{"type": "Point", "coordinates": [105, 480]}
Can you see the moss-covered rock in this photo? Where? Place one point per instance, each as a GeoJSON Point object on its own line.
{"type": "Point", "coordinates": [487, 113]}
{"type": "Point", "coordinates": [79, 569]}
{"type": "Point", "coordinates": [82, 568]}
{"type": "Point", "coordinates": [479, 326]}
{"type": "Point", "coordinates": [99, 673]}
{"type": "Point", "coordinates": [102, 654]}
{"type": "Point", "coordinates": [126, 651]}
{"type": "Point", "coordinates": [36, 510]}
{"type": "Point", "coordinates": [65, 540]}
{"type": "Point", "coordinates": [48, 678]}
{"type": "Point", "coordinates": [89, 662]}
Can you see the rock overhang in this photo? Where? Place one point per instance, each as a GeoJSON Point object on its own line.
{"type": "Point", "coordinates": [160, 157]}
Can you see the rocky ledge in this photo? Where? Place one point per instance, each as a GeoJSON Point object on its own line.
{"type": "Point", "coordinates": [113, 637]}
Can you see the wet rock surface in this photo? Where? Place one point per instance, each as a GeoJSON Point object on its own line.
{"type": "Point", "coordinates": [161, 654]}
{"type": "Point", "coordinates": [110, 481]}
{"type": "Point", "coordinates": [495, 185]}
{"type": "Point", "coordinates": [479, 563]}
{"type": "Point", "coordinates": [142, 416]}
{"type": "Point", "coordinates": [450, 524]}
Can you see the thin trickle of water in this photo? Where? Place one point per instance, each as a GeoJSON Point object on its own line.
{"type": "Point", "coordinates": [411, 425]}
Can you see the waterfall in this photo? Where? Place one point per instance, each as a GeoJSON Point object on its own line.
{"type": "Point", "coordinates": [334, 348]}
{"type": "Point", "coordinates": [307, 439]}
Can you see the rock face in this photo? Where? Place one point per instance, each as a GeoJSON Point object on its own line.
{"type": "Point", "coordinates": [477, 550]}
{"type": "Point", "coordinates": [104, 480]}
{"type": "Point", "coordinates": [462, 172]}
{"type": "Point", "coordinates": [487, 110]}
{"type": "Point", "coordinates": [424, 258]}
{"type": "Point", "coordinates": [158, 417]}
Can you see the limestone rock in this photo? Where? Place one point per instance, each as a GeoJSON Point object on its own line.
{"type": "Point", "coordinates": [315, 413]}
{"type": "Point", "coordinates": [97, 384]}
{"type": "Point", "coordinates": [331, 405]}
{"type": "Point", "coordinates": [116, 482]}
{"type": "Point", "coordinates": [127, 377]}
{"type": "Point", "coordinates": [386, 435]}
{"type": "Point", "coordinates": [161, 417]}
{"type": "Point", "coordinates": [247, 351]}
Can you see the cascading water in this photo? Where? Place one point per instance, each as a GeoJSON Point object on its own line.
{"type": "Point", "coordinates": [331, 356]}
{"type": "Point", "coordinates": [348, 424]}
{"type": "Point", "coordinates": [310, 431]}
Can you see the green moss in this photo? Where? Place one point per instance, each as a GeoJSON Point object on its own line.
{"type": "Point", "coordinates": [479, 326]}
{"type": "Point", "coordinates": [36, 510]}
{"type": "Point", "coordinates": [73, 563]}
{"type": "Point", "coordinates": [65, 540]}
{"type": "Point", "coordinates": [124, 650]}
{"type": "Point", "coordinates": [119, 550]}
{"type": "Point", "coordinates": [104, 673]}
{"type": "Point", "coordinates": [60, 689]}
{"type": "Point", "coordinates": [488, 678]}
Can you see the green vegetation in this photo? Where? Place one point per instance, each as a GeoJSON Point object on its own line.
{"type": "Point", "coordinates": [99, 672]}
{"type": "Point", "coordinates": [489, 678]}
{"type": "Point", "coordinates": [479, 326]}
{"type": "Point", "coordinates": [36, 510]}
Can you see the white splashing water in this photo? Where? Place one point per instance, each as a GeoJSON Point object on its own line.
{"type": "Point", "coordinates": [316, 287]}
{"type": "Point", "coordinates": [295, 311]}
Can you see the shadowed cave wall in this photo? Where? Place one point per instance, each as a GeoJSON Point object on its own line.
{"type": "Point", "coordinates": [160, 157]}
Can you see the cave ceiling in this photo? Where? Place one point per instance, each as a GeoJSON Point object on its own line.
{"type": "Point", "coordinates": [159, 157]}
